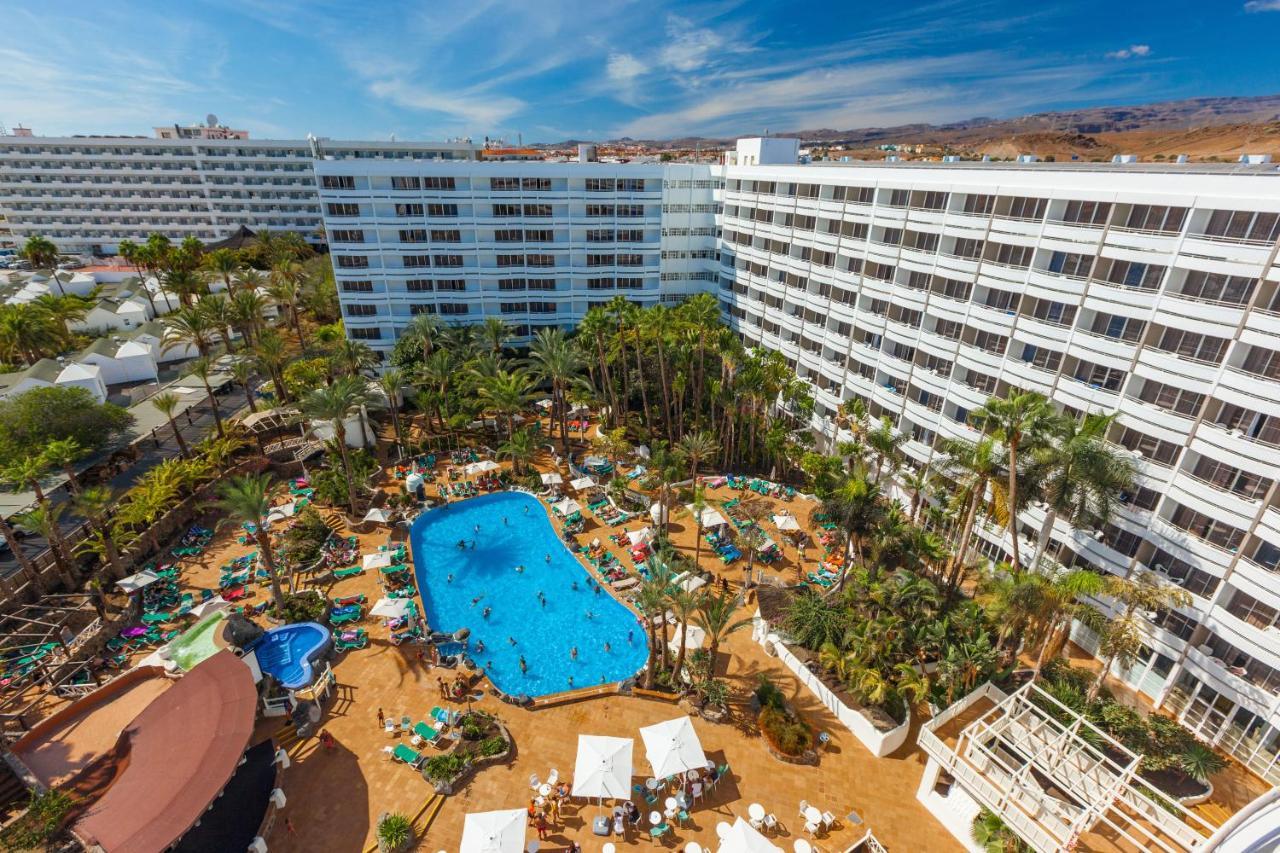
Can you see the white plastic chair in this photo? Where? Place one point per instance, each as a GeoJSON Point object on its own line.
{"type": "Point", "coordinates": [804, 807]}
{"type": "Point", "coordinates": [554, 777]}
{"type": "Point", "coordinates": [697, 791]}
{"type": "Point", "coordinates": [811, 828]}
{"type": "Point", "coordinates": [828, 820]}
{"type": "Point", "coordinates": [770, 822]}
{"type": "Point", "coordinates": [534, 783]}
{"type": "Point", "coordinates": [390, 728]}
{"type": "Point", "coordinates": [756, 824]}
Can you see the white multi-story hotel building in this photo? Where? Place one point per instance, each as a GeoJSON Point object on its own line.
{"type": "Point", "coordinates": [88, 193]}
{"type": "Point", "coordinates": [533, 243]}
{"type": "Point", "coordinates": [1151, 291]}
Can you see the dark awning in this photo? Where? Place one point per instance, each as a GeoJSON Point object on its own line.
{"type": "Point", "coordinates": [236, 816]}
{"type": "Point", "coordinates": [240, 238]}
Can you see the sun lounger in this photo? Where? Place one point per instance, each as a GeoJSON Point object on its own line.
{"type": "Point", "coordinates": [345, 615]}
{"type": "Point", "coordinates": [350, 572]}
{"type": "Point", "coordinates": [407, 755]}
{"type": "Point", "coordinates": [426, 733]}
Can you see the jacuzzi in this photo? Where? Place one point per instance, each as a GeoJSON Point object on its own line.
{"type": "Point", "coordinates": [288, 653]}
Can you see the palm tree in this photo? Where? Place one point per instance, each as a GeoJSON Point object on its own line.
{"type": "Point", "coordinates": [96, 504]}
{"type": "Point", "coordinates": [247, 500]}
{"type": "Point", "coordinates": [426, 329]}
{"type": "Point", "coordinates": [356, 356]}
{"type": "Point", "coordinates": [975, 466]}
{"type": "Point", "coordinates": [271, 356]}
{"type": "Point", "coordinates": [1122, 636]}
{"type": "Point", "coordinates": [335, 404]}
{"type": "Point", "coordinates": [437, 373]}
{"type": "Point", "coordinates": [218, 311]}
{"type": "Point", "coordinates": [202, 368]}
{"type": "Point", "coordinates": [46, 520]}
{"type": "Point", "coordinates": [698, 506]}
{"type": "Point", "coordinates": [916, 482]}
{"type": "Point", "coordinates": [1022, 418]}
{"type": "Point", "coordinates": [1080, 476]}
{"type": "Point", "coordinates": [40, 252]}
{"type": "Point", "coordinates": [715, 618]}
{"type": "Point", "coordinates": [508, 394]}
{"type": "Point", "coordinates": [26, 331]}
{"type": "Point", "coordinates": [63, 310]}
{"type": "Point", "coordinates": [520, 448]}
{"type": "Point", "coordinates": [886, 445]}
{"type": "Point", "coordinates": [652, 602]}
{"type": "Point", "coordinates": [183, 283]}
{"type": "Point", "coordinates": [684, 605]}
{"type": "Point", "coordinates": [596, 326]}
{"type": "Point", "coordinates": [857, 506]}
{"type": "Point", "coordinates": [246, 310]}
{"type": "Point", "coordinates": [223, 263]}
{"type": "Point", "coordinates": [242, 373]}
{"type": "Point", "coordinates": [392, 382]}
{"type": "Point", "coordinates": [167, 403]}
{"type": "Point", "coordinates": [285, 288]}
{"type": "Point", "coordinates": [24, 562]}
{"type": "Point", "coordinates": [556, 361]}
{"type": "Point", "coordinates": [64, 453]}
{"type": "Point", "coordinates": [1060, 604]}
{"type": "Point", "coordinates": [495, 334]}
{"type": "Point", "coordinates": [188, 326]}
{"type": "Point", "coordinates": [697, 447]}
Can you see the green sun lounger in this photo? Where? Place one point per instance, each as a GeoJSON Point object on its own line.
{"type": "Point", "coordinates": [156, 618]}
{"type": "Point", "coordinates": [346, 616]}
{"type": "Point", "coordinates": [407, 755]}
{"type": "Point", "coordinates": [350, 572]}
{"type": "Point", "coordinates": [425, 732]}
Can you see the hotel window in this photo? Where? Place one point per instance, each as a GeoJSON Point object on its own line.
{"type": "Point", "coordinates": [968, 248]}
{"type": "Point", "coordinates": [1210, 530]}
{"type": "Point", "coordinates": [540, 260]}
{"type": "Point", "coordinates": [363, 333]}
{"type": "Point", "coordinates": [630, 235]}
{"type": "Point", "coordinates": [347, 235]}
{"type": "Point", "coordinates": [442, 209]}
{"type": "Point", "coordinates": [1134, 274]}
{"type": "Point", "coordinates": [1042, 357]}
{"type": "Point", "coordinates": [343, 208]}
{"type": "Point", "coordinates": [1244, 225]}
{"type": "Point", "coordinates": [413, 235]}
{"type": "Point", "coordinates": [419, 285]}
{"type": "Point", "coordinates": [600, 210]}
{"type": "Point", "coordinates": [508, 235]}
{"type": "Point", "coordinates": [439, 183]}
{"type": "Point", "coordinates": [600, 235]}
{"type": "Point", "coordinates": [353, 262]}
{"type": "Point", "coordinates": [980, 205]}
{"type": "Point", "coordinates": [1057, 313]}
{"type": "Point", "coordinates": [1022, 207]}
{"type": "Point", "coordinates": [510, 260]}
{"type": "Point", "coordinates": [446, 260]}
{"type": "Point", "coordinates": [446, 235]}
{"type": "Point", "coordinates": [535, 184]}
{"type": "Point", "coordinates": [626, 282]}
{"type": "Point", "coordinates": [506, 210]}
{"type": "Point", "coordinates": [1171, 398]}
{"type": "Point", "coordinates": [415, 310]}
{"type": "Point", "coordinates": [898, 198]}
{"type": "Point", "coordinates": [504, 184]}
{"type": "Point", "coordinates": [1262, 362]}
{"type": "Point", "coordinates": [934, 200]}
{"type": "Point", "coordinates": [337, 182]}
{"type": "Point", "coordinates": [540, 235]}
{"type": "Point", "coordinates": [1193, 345]}
{"type": "Point", "coordinates": [990, 342]}
{"type": "Point", "coordinates": [357, 287]}
{"type": "Point", "coordinates": [455, 308]}
{"type": "Point", "coordinates": [630, 211]}
{"type": "Point", "coordinates": [1106, 378]}
{"type": "Point", "coordinates": [410, 183]}
{"type": "Point", "coordinates": [1248, 485]}
{"type": "Point", "coordinates": [417, 260]}
{"type": "Point", "coordinates": [600, 260]}
{"type": "Point", "coordinates": [605, 283]}
{"type": "Point", "coordinates": [356, 309]}
{"type": "Point", "coordinates": [1086, 212]}
{"type": "Point", "coordinates": [630, 185]}
{"type": "Point", "coordinates": [953, 289]}
{"type": "Point", "coordinates": [511, 284]}
{"type": "Point", "coordinates": [854, 230]}
{"type": "Point", "coordinates": [1069, 263]}
{"type": "Point", "coordinates": [599, 185]}
{"type": "Point", "coordinates": [543, 307]}
{"type": "Point", "coordinates": [542, 284]}
{"type": "Point", "coordinates": [513, 307]}
{"type": "Point", "coordinates": [1118, 328]}
{"type": "Point", "coordinates": [1156, 449]}
{"type": "Point", "coordinates": [1013, 256]}
{"type": "Point", "coordinates": [539, 210]}
{"type": "Point", "coordinates": [1217, 287]}
{"type": "Point", "coordinates": [630, 260]}
{"type": "Point", "coordinates": [409, 210]}
{"type": "Point", "coordinates": [1156, 217]}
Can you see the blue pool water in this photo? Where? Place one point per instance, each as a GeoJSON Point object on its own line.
{"type": "Point", "coordinates": [286, 653]}
{"type": "Point", "coordinates": [486, 575]}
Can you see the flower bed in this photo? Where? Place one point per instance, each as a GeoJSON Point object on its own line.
{"type": "Point", "coordinates": [485, 741]}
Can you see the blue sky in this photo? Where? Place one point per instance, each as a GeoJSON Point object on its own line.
{"type": "Point", "coordinates": [553, 70]}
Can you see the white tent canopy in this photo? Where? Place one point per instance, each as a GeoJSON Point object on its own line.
{"type": "Point", "coordinates": [493, 832]}
{"type": "Point", "coordinates": [414, 482]}
{"type": "Point", "coordinates": [694, 637]}
{"type": "Point", "coordinates": [640, 537]}
{"type": "Point", "coordinates": [552, 479]}
{"type": "Point", "coordinates": [213, 605]}
{"type": "Point", "coordinates": [692, 583]}
{"type": "Point", "coordinates": [544, 404]}
{"type": "Point", "coordinates": [603, 768]}
{"type": "Point", "coordinates": [481, 467]}
{"type": "Point", "coordinates": [710, 516]}
{"type": "Point", "coordinates": [280, 513]}
{"type": "Point", "coordinates": [673, 747]}
{"type": "Point", "coordinates": [786, 522]}
{"type": "Point", "coordinates": [566, 507]}
{"type": "Point", "coordinates": [137, 581]}
{"type": "Point", "coordinates": [743, 838]}
{"type": "Point", "coordinates": [582, 483]}
{"type": "Point", "coordinates": [380, 560]}
{"type": "Point", "coordinates": [377, 514]}
{"type": "Point", "coordinates": [392, 608]}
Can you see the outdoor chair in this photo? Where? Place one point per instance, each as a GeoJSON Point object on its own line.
{"type": "Point", "coordinates": [407, 755]}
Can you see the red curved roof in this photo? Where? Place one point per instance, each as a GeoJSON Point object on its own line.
{"type": "Point", "coordinates": [180, 752]}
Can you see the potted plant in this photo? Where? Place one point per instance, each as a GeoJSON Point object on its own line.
{"type": "Point", "coordinates": [395, 833]}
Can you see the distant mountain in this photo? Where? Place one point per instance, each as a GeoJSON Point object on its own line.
{"type": "Point", "coordinates": [1165, 117]}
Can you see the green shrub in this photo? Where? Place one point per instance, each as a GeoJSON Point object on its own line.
{"type": "Point", "coordinates": [39, 824]}
{"type": "Point", "coordinates": [490, 746]}
{"type": "Point", "coordinates": [770, 696]}
{"type": "Point", "coordinates": [788, 734]}
{"type": "Point", "coordinates": [441, 767]}
{"type": "Point", "coordinates": [394, 830]}
{"type": "Point", "coordinates": [306, 537]}
{"type": "Point", "coordinates": [474, 727]}
{"type": "Point", "coordinates": [1200, 762]}
{"type": "Point", "coordinates": [301, 607]}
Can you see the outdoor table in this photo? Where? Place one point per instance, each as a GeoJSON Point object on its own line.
{"type": "Point", "coordinates": [608, 848]}
{"type": "Point", "coordinates": [692, 775]}
{"type": "Point", "coordinates": [544, 789]}
{"type": "Point", "coordinates": [722, 829]}
{"type": "Point", "coordinates": [655, 818]}
{"type": "Point", "coordinates": [802, 846]}
{"type": "Point", "coordinates": [682, 800]}
{"type": "Point", "coordinates": [651, 784]}
{"type": "Point", "coordinates": [756, 811]}
{"type": "Point", "coordinates": [711, 766]}
{"type": "Point", "coordinates": [693, 847]}
{"type": "Point", "coordinates": [813, 815]}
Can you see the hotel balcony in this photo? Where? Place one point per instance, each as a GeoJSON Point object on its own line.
{"type": "Point", "coordinates": [1032, 761]}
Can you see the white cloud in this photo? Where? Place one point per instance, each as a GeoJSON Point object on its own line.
{"type": "Point", "coordinates": [1262, 6]}
{"type": "Point", "coordinates": [1133, 50]}
{"type": "Point", "coordinates": [475, 110]}
{"type": "Point", "coordinates": [690, 47]}
{"type": "Point", "coordinates": [624, 67]}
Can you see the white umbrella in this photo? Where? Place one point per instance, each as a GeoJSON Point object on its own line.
{"type": "Point", "coordinates": [380, 560]}
{"type": "Point", "coordinates": [566, 507]}
{"type": "Point", "coordinates": [493, 832]}
{"type": "Point", "coordinates": [672, 747]}
{"type": "Point", "coordinates": [603, 768]}
{"type": "Point", "coordinates": [552, 479]}
{"type": "Point", "coordinates": [657, 512]}
{"type": "Point", "coordinates": [543, 404]}
{"type": "Point", "coordinates": [280, 513]}
{"type": "Point", "coordinates": [377, 514]}
{"type": "Point", "coordinates": [786, 522]}
{"type": "Point", "coordinates": [213, 605]}
{"type": "Point", "coordinates": [137, 581]}
{"type": "Point", "coordinates": [392, 608]}
{"type": "Point", "coordinates": [582, 483]}
{"type": "Point", "coordinates": [693, 638]}
{"type": "Point", "coordinates": [414, 482]}
{"type": "Point", "coordinates": [643, 451]}
{"type": "Point", "coordinates": [482, 466]}
{"type": "Point", "coordinates": [742, 837]}
{"type": "Point", "coordinates": [710, 517]}
{"type": "Point", "coordinates": [641, 536]}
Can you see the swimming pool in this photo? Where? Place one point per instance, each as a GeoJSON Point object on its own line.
{"type": "Point", "coordinates": [287, 653]}
{"type": "Point", "coordinates": [548, 609]}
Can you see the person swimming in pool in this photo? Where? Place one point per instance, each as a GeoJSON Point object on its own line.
{"type": "Point", "coordinates": [477, 528]}
{"type": "Point", "coordinates": [631, 638]}
{"type": "Point", "coordinates": [542, 599]}
{"type": "Point", "coordinates": [462, 544]}
{"type": "Point", "coordinates": [511, 640]}
{"type": "Point", "coordinates": [449, 579]}
{"type": "Point", "coordinates": [575, 586]}
{"type": "Point", "coordinates": [504, 521]}
{"type": "Point", "coordinates": [548, 557]}
{"type": "Point", "coordinates": [480, 647]}
{"type": "Point", "coordinates": [476, 600]}
{"type": "Point", "coordinates": [519, 570]}
{"type": "Point", "coordinates": [590, 615]}
{"type": "Point", "coordinates": [607, 648]}
{"type": "Point", "coordinates": [573, 653]}
{"type": "Point", "coordinates": [485, 613]}
{"type": "Point", "coordinates": [524, 667]}
{"type": "Point", "coordinates": [473, 544]}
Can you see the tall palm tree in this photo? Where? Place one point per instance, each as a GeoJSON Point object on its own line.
{"type": "Point", "coordinates": [715, 618]}
{"type": "Point", "coordinates": [246, 311]}
{"type": "Point", "coordinates": [64, 453]}
{"type": "Point", "coordinates": [696, 448]}
{"type": "Point", "coordinates": [684, 605]}
{"type": "Point", "coordinates": [507, 394]}
{"type": "Point", "coordinates": [246, 499]}
{"type": "Point", "coordinates": [335, 404]}
{"type": "Point", "coordinates": [96, 504]}
{"type": "Point", "coordinates": [555, 360]}
{"type": "Point", "coordinates": [596, 327]}
{"type": "Point", "coordinates": [63, 310]}
{"type": "Point", "coordinates": [974, 466]}
{"type": "Point", "coordinates": [438, 373]}
{"type": "Point", "coordinates": [426, 329]}
{"type": "Point", "coordinates": [223, 263]}
{"type": "Point", "coordinates": [167, 403]}
{"type": "Point", "coordinates": [189, 326]}
{"type": "Point", "coordinates": [271, 356]}
{"type": "Point", "coordinates": [495, 334]}
{"type": "Point", "coordinates": [20, 556]}
{"type": "Point", "coordinates": [856, 504]}
{"type": "Point", "coordinates": [46, 520]}
{"type": "Point", "coordinates": [185, 284]}
{"type": "Point", "coordinates": [242, 372]}
{"type": "Point", "coordinates": [285, 288]}
{"type": "Point", "coordinates": [1122, 636]}
{"type": "Point", "coordinates": [392, 382]}
{"type": "Point", "coordinates": [356, 356]}
{"type": "Point", "coordinates": [1080, 476]}
{"type": "Point", "coordinates": [886, 445]}
{"type": "Point", "coordinates": [202, 368]}
{"type": "Point", "coordinates": [652, 601]}
{"type": "Point", "coordinates": [1060, 604]}
{"type": "Point", "coordinates": [520, 448]}
{"type": "Point", "coordinates": [1019, 421]}
{"type": "Point", "coordinates": [26, 332]}
{"type": "Point", "coordinates": [217, 309]}
{"type": "Point", "coordinates": [698, 505]}
{"type": "Point", "coordinates": [40, 252]}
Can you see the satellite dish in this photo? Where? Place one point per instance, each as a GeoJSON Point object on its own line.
{"type": "Point", "coordinates": [211, 120]}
